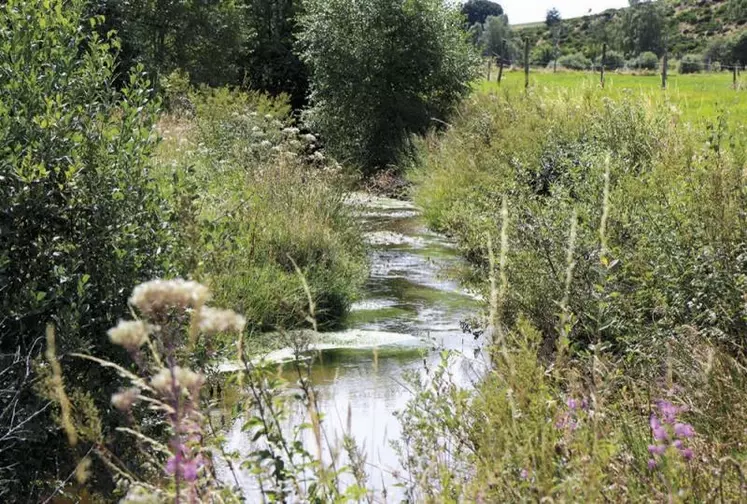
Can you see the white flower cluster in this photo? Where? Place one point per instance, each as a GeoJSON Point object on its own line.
{"type": "Point", "coordinates": [156, 295]}
{"type": "Point", "coordinates": [309, 138]}
{"type": "Point", "coordinates": [215, 320]}
{"type": "Point", "coordinates": [124, 399]}
{"type": "Point", "coordinates": [131, 334]}
{"type": "Point", "coordinates": [291, 131]}
{"type": "Point", "coordinates": [186, 378]}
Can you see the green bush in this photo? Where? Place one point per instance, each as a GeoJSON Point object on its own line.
{"type": "Point", "coordinates": [613, 60]}
{"type": "Point", "coordinates": [381, 71]}
{"type": "Point", "coordinates": [648, 61]}
{"type": "Point", "coordinates": [575, 61]}
{"type": "Point", "coordinates": [691, 63]}
{"type": "Point", "coordinates": [80, 220]}
{"type": "Point", "coordinates": [268, 197]}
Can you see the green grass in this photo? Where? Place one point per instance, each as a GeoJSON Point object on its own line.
{"type": "Point", "coordinates": [696, 97]}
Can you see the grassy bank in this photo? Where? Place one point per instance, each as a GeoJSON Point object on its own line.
{"type": "Point", "coordinates": [693, 97]}
{"type": "Point", "coordinates": [255, 196]}
{"type": "Point", "coordinates": [610, 235]}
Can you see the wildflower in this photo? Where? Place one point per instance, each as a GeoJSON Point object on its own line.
{"type": "Point", "coordinates": [659, 431]}
{"type": "Point", "coordinates": [266, 144]}
{"type": "Point", "coordinates": [524, 474]}
{"type": "Point", "coordinates": [214, 320]}
{"type": "Point", "coordinates": [668, 411]}
{"type": "Point", "coordinates": [165, 380]}
{"type": "Point", "coordinates": [309, 138]}
{"type": "Point", "coordinates": [156, 295]}
{"type": "Point", "coordinates": [572, 403]}
{"type": "Point", "coordinates": [124, 399]}
{"type": "Point", "coordinates": [683, 430]}
{"type": "Point", "coordinates": [651, 464]}
{"type": "Point", "coordinates": [677, 444]}
{"type": "Point", "coordinates": [657, 449]}
{"type": "Point", "coordinates": [687, 453]}
{"type": "Point", "coordinates": [129, 334]}
{"type": "Point", "coordinates": [187, 468]}
{"type": "Point", "coordinates": [291, 131]}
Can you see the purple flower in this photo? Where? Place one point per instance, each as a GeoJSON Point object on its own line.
{"type": "Point", "coordinates": [687, 453]}
{"type": "Point", "coordinates": [657, 449]}
{"type": "Point", "coordinates": [661, 434]}
{"type": "Point", "coordinates": [668, 411]}
{"type": "Point", "coordinates": [171, 465]}
{"type": "Point", "coordinates": [524, 474]}
{"type": "Point", "coordinates": [651, 464]}
{"type": "Point", "coordinates": [677, 444]}
{"type": "Point", "coordinates": [684, 430]}
{"type": "Point", "coordinates": [572, 403]}
{"type": "Point", "coordinates": [585, 404]}
{"type": "Point", "coordinates": [189, 470]}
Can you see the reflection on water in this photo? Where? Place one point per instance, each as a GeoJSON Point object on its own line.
{"type": "Point", "coordinates": [407, 293]}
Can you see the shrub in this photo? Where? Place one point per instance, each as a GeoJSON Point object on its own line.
{"type": "Point", "coordinates": [613, 60]}
{"type": "Point", "coordinates": [80, 220]}
{"type": "Point", "coordinates": [691, 63]}
{"type": "Point", "coordinates": [575, 61]}
{"type": "Point", "coordinates": [648, 61]}
{"type": "Point", "coordinates": [267, 197]}
{"type": "Point", "coordinates": [381, 71]}
{"type": "Point", "coordinates": [739, 50]}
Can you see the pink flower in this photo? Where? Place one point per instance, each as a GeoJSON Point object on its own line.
{"type": "Point", "coordinates": [687, 453]}
{"type": "Point", "coordinates": [572, 404]}
{"type": "Point", "coordinates": [651, 464]}
{"type": "Point", "coordinates": [657, 449]}
{"type": "Point", "coordinates": [677, 444]}
{"type": "Point", "coordinates": [684, 430]}
{"type": "Point", "coordinates": [524, 474]}
{"type": "Point", "coordinates": [668, 411]}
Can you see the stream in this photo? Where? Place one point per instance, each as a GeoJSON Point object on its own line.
{"type": "Point", "coordinates": [411, 308]}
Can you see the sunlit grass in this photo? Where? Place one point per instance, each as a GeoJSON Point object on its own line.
{"type": "Point", "coordinates": [697, 96]}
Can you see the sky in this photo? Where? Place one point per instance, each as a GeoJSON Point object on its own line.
{"type": "Point", "coordinates": [527, 11]}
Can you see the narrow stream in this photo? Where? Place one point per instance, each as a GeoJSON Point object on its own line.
{"type": "Point", "coordinates": [411, 307]}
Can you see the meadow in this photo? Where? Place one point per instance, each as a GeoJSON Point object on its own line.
{"type": "Point", "coordinates": [697, 97]}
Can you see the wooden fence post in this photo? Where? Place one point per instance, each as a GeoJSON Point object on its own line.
{"type": "Point", "coordinates": [664, 65]}
{"type": "Point", "coordinates": [503, 55]}
{"type": "Point", "coordinates": [734, 75]}
{"type": "Point", "coordinates": [604, 57]}
{"type": "Point", "coordinates": [526, 64]}
{"type": "Point", "coordinates": [490, 65]}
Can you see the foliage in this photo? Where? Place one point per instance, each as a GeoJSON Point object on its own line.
{"type": "Point", "coordinates": [739, 52]}
{"type": "Point", "coordinates": [552, 163]}
{"type": "Point", "coordinates": [613, 60]}
{"type": "Point", "coordinates": [478, 11]}
{"type": "Point", "coordinates": [643, 26]}
{"type": "Point", "coordinates": [381, 71]}
{"type": "Point", "coordinates": [553, 18]}
{"type": "Point", "coordinates": [647, 61]}
{"type": "Point", "coordinates": [720, 49]}
{"type": "Point", "coordinates": [258, 196]}
{"type": "Point", "coordinates": [80, 220]}
{"type": "Point", "coordinates": [207, 40]}
{"type": "Point", "coordinates": [273, 64]}
{"type": "Point", "coordinates": [737, 10]}
{"type": "Point", "coordinates": [691, 63]}
{"type": "Point", "coordinates": [622, 234]}
{"type": "Point", "coordinates": [542, 54]}
{"type": "Point", "coordinates": [575, 62]}
{"type": "Point", "coordinates": [494, 33]}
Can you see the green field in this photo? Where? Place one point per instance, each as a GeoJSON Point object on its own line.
{"type": "Point", "coordinates": [697, 97]}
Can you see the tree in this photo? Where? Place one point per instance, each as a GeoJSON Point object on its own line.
{"type": "Point", "coordinates": [643, 27]}
{"type": "Point", "coordinates": [380, 71]}
{"type": "Point", "coordinates": [273, 64]}
{"type": "Point", "coordinates": [737, 10]}
{"type": "Point", "coordinates": [494, 32]}
{"type": "Point", "coordinates": [478, 11]}
{"type": "Point", "coordinates": [553, 18]}
{"type": "Point", "coordinates": [739, 52]}
{"type": "Point", "coordinates": [720, 49]}
{"type": "Point", "coordinates": [80, 221]}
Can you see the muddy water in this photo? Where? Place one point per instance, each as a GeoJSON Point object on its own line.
{"type": "Point", "coordinates": [411, 307]}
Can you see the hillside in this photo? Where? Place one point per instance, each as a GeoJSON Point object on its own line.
{"type": "Point", "coordinates": [691, 24]}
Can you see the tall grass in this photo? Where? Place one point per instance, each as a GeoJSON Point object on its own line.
{"type": "Point", "coordinates": [256, 196]}
{"type": "Point", "coordinates": [623, 305]}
